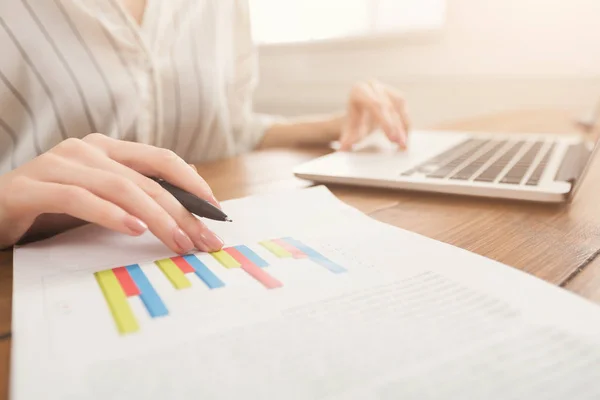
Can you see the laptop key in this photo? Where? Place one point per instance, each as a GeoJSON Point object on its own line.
{"type": "Point", "coordinates": [492, 172]}
{"type": "Point", "coordinates": [436, 162]}
{"type": "Point", "coordinates": [440, 173]}
{"type": "Point", "coordinates": [518, 171]}
{"type": "Point", "coordinates": [467, 172]}
{"type": "Point", "coordinates": [534, 179]}
{"type": "Point", "coordinates": [450, 166]}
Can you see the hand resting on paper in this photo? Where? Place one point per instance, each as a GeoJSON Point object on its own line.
{"type": "Point", "coordinates": [102, 180]}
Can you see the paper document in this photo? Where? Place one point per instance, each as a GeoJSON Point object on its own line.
{"type": "Point", "coordinates": [310, 299]}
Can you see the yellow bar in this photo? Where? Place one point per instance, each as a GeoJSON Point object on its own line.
{"type": "Point", "coordinates": [173, 273]}
{"type": "Point", "coordinates": [276, 249]}
{"type": "Point", "coordinates": [117, 301]}
{"type": "Point", "coordinates": [225, 259]}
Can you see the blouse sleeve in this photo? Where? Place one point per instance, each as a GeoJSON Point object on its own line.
{"type": "Point", "coordinates": [248, 127]}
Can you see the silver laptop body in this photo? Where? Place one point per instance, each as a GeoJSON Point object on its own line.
{"type": "Point", "coordinates": [535, 167]}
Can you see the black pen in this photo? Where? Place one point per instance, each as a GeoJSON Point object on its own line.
{"type": "Point", "coordinates": [193, 203]}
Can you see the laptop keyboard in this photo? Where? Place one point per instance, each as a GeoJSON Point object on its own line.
{"type": "Point", "coordinates": [492, 172]}
{"type": "Point", "coordinates": [534, 179]}
{"type": "Point", "coordinates": [467, 172]}
{"type": "Point", "coordinates": [518, 171]}
{"type": "Point", "coordinates": [466, 161]}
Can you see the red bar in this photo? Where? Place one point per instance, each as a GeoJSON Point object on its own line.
{"type": "Point", "coordinates": [295, 252]}
{"type": "Point", "coordinates": [260, 275]}
{"type": "Point", "coordinates": [128, 285]}
{"type": "Point", "coordinates": [183, 265]}
{"type": "Point", "coordinates": [239, 257]}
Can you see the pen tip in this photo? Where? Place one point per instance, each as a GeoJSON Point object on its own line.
{"type": "Point", "coordinates": [228, 219]}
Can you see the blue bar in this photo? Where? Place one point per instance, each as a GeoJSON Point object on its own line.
{"type": "Point", "coordinates": [203, 272]}
{"type": "Point", "coordinates": [330, 265]}
{"type": "Point", "coordinates": [252, 256]}
{"type": "Point", "coordinates": [316, 256]}
{"type": "Point", "coordinates": [153, 303]}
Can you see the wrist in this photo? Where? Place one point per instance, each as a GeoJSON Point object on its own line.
{"type": "Point", "coordinates": [304, 132]}
{"type": "Point", "coordinates": [333, 126]}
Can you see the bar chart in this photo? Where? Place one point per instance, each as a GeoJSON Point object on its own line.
{"type": "Point", "coordinates": [120, 284]}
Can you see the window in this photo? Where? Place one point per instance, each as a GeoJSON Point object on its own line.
{"type": "Point", "coordinates": [287, 21]}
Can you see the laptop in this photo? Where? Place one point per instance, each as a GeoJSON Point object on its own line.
{"type": "Point", "coordinates": [535, 167]}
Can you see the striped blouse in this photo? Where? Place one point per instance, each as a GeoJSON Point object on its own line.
{"type": "Point", "coordinates": [182, 79]}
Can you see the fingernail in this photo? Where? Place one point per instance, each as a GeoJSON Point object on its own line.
{"type": "Point", "coordinates": [200, 245]}
{"type": "Point", "coordinates": [182, 240]}
{"type": "Point", "coordinates": [400, 136]}
{"type": "Point", "coordinates": [193, 167]}
{"type": "Point", "coordinates": [402, 144]}
{"type": "Point", "coordinates": [214, 242]}
{"type": "Point", "coordinates": [135, 225]}
{"type": "Point", "coordinates": [405, 141]}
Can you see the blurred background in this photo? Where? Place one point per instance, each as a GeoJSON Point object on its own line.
{"type": "Point", "coordinates": [451, 58]}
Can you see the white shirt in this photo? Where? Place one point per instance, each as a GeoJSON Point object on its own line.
{"type": "Point", "coordinates": [182, 79]}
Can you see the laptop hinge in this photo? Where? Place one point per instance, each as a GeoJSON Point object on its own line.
{"type": "Point", "coordinates": [572, 165]}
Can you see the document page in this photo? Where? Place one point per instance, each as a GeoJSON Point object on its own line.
{"type": "Point", "coordinates": [309, 299]}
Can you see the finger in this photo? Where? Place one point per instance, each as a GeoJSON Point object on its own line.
{"type": "Point", "coordinates": [159, 219]}
{"type": "Point", "coordinates": [350, 130]}
{"type": "Point", "coordinates": [45, 197]}
{"type": "Point", "coordinates": [202, 237]}
{"type": "Point", "coordinates": [155, 162]}
{"type": "Point", "coordinates": [356, 126]}
{"type": "Point", "coordinates": [400, 106]}
{"type": "Point", "coordinates": [402, 134]}
{"type": "Point", "coordinates": [145, 159]}
{"type": "Point", "coordinates": [359, 130]}
{"type": "Point", "coordinates": [125, 194]}
{"type": "Point", "coordinates": [379, 109]}
{"type": "Point", "coordinates": [399, 136]}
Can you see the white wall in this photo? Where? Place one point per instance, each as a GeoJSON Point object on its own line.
{"type": "Point", "coordinates": [493, 55]}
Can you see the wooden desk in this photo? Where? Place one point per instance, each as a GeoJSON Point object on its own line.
{"type": "Point", "coordinates": [556, 243]}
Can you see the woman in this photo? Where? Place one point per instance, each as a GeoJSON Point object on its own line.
{"type": "Point", "coordinates": [163, 81]}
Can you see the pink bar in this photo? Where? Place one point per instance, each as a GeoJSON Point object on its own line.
{"type": "Point", "coordinates": [239, 257]}
{"type": "Point", "coordinates": [128, 285]}
{"type": "Point", "coordinates": [183, 265]}
{"type": "Point", "coordinates": [295, 252]}
{"type": "Point", "coordinates": [260, 275]}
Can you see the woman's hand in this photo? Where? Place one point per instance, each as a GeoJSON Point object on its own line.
{"type": "Point", "coordinates": [373, 105]}
{"type": "Point", "coordinates": [103, 181]}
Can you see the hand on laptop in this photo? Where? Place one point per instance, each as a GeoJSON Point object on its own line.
{"type": "Point", "coordinates": [370, 106]}
{"type": "Point", "coordinates": [373, 105]}
{"type": "Point", "coordinates": [103, 180]}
